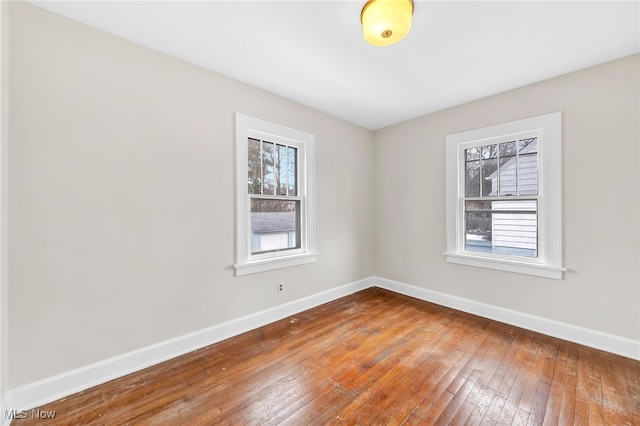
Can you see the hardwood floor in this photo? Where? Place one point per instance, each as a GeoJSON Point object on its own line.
{"type": "Point", "coordinates": [374, 357]}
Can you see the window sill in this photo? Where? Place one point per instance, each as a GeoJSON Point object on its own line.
{"type": "Point", "coordinates": [274, 263]}
{"type": "Point", "coordinates": [506, 265]}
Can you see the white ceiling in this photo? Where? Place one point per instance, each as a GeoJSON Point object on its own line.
{"type": "Point", "coordinates": [313, 52]}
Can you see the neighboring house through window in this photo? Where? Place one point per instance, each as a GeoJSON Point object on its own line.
{"type": "Point", "coordinates": [275, 196]}
{"type": "Point", "coordinates": [504, 197]}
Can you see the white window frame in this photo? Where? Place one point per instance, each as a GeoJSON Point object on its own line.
{"type": "Point", "coordinates": [246, 262]}
{"type": "Point", "coordinates": [548, 129]}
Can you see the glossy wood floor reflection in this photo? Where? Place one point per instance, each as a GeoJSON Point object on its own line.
{"type": "Point", "coordinates": [374, 357]}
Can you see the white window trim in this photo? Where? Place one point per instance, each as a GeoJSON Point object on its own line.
{"type": "Point", "coordinates": [549, 261]}
{"type": "Point", "coordinates": [246, 263]}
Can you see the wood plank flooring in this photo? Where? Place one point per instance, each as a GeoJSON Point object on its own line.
{"type": "Point", "coordinates": [374, 357]}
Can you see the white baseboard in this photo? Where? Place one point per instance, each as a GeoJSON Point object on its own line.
{"type": "Point", "coordinates": [65, 384]}
{"type": "Point", "coordinates": [607, 342]}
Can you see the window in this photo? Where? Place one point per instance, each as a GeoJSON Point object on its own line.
{"type": "Point", "coordinates": [504, 197]}
{"type": "Point", "coordinates": [275, 208]}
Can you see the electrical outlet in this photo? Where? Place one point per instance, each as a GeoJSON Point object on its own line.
{"type": "Point", "coordinates": [281, 287]}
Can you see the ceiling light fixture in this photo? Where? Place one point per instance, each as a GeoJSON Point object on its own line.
{"type": "Point", "coordinates": [385, 22]}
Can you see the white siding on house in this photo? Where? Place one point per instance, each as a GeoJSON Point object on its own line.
{"type": "Point", "coordinates": [528, 174]}
{"type": "Point", "coordinates": [272, 241]}
{"type": "Point", "coordinates": [517, 230]}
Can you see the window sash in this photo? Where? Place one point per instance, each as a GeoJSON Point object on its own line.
{"type": "Point", "coordinates": [462, 191]}
{"type": "Point", "coordinates": [300, 195]}
{"type": "Point", "coordinates": [247, 262]}
{"type": "Point", "coordinates": [510, 233]}
{"type": "Point", "coordinates": [285, 179]}
{"type": "Point", "coordinates": [550, 230]}
{"type": "Point", "coordinates": [299, 231]}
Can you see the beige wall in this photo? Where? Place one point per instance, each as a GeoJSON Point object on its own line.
{"type": "Point", "coordinates": [121, 206]}
{"type": "Point", "coordinates": [601, 195]}
{"type": "Point", "coordinates": [4, 135]}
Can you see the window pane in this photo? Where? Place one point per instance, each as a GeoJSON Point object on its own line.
{"type": "Point", "coordinates": [268, 169]}
{"type": "Point", "coordinates": [472, 179]}
{"type": "Point", "coordinates": [528, 167]}
{"type": "Point", "coordinates": [275, 225]}
{"type": "Point", "coordinates": [507, 149]}
{"type": "Point", "coordinates": [477, 231]}
{"type": "Point", "coordinates": [507, 175]}
{"type": "Point", "coordinates": [528, 174]}
{"type": "Point", "coordinates": [254, 180]}
{"type": "Point", "coordinates": [472, 154]}
{"type": "Point", "coordinates": [281, 169]}
{"type": "Point", "coordinates": [292, 168]}
{"type": "Point", "coordinates": [478, 205]}
{"type": "Point", "coordinates": [528, 145]}
{"type": "Point", "coordinates": [502, 227]}
{"type": "Point", "coordinates": [489, 176]}
{"type": "Point", "coordinates": [490, 151]}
